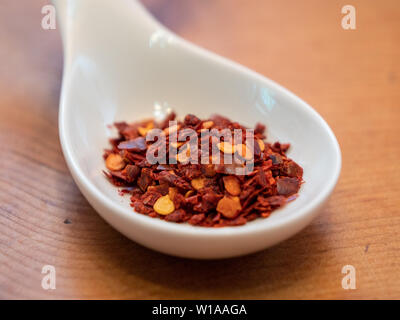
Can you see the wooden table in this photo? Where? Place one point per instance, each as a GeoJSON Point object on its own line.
{"type": "Point", "coordinates": [351, 77]}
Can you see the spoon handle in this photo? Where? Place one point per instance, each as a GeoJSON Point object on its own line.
{"type": "Point", "coordinates": [76, 15]}
{"type": "Point", "coordinates": [61, 10]}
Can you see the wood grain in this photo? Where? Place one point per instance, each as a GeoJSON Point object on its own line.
{"type": "Point", "coordinates": [352, 78]}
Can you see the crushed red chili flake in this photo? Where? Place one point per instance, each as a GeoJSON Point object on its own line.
{"type": "Point", "coordinates": [209, 194]}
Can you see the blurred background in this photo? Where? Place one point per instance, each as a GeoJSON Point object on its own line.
{"type": "Point", "coordinates": [351, 77]}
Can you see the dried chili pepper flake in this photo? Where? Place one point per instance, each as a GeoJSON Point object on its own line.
{"type": "Point", "coordinates": [208, 170]}
{"type": "Point", "coordinates": [287, 186]}
{"type": "Point", "coordinates": [250, 196]}
{"type": "Point", "coordinates": [209, 194]}
{"type": "Point", "coordinates": [145, 179]}
{"type": "Point", "coordinates": [142, 208]}
{"type": "Point", "coordinates": [192, 200]}
{"type": "Point", "coordinates": [131, 172]}
{"type": "Point", "coordinates": [191, 120]}
{"type": "Point", "coordinates": [235, 222]}
{"type": "Point", "coordinates": [165, 123]}
{"type": "Point", "coordinates": [124, 191]}
{"type": "Point", "coordinates": [197, 218]}
{"type": "Point", "coordinates": [176, 216]}
{"type": "Point", "coordinates": [116, 177]}
{"type": "Point", "coordinates": [260, 128]}
{"type": "Point", "coordinates": [265, 214]}
{"type": "Point", "coordinates": [276, 201]}
{"type": "Point", "coordinates": [217, 217]}
{"type": "Point", "coordinates": [211, 197]}
{"type": "Point", "coordinates": [191, 171]}
{"type": "Point", "coordinates": [137, 144]}
{"type": "Point", "coordinates": [128, 131]}
{"type": "Point", "coordinates": [262, 178]}
{"type": "Point", "coordinates": [280, 147]}
{"type": "Point", "coordinates": [276, 158]}
{"type": "Point", "coordinates": [163, 189]}
{"type": "Point", "coordinates": [179, 200]}
{"type": "Point", "coordinates": [171, 178]}
{"type": "Point", "coordinates": [292, 169]}
{"type": "Point", "coordinates": [203, 206]}
{"type": "Point", "coordinates": [220, 121]}
{"type": "Point", "coordinates": [150, 197]}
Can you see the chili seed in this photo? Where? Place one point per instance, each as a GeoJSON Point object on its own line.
{"type": "Point", "coordinates": [115, 162]}
{"type": "Point", "coordinates": [164, 205]}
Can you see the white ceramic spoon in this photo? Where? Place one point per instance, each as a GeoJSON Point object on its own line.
{"type": "Point", "coordinates": [120, 64]}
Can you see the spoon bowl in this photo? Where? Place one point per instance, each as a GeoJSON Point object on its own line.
{"type": "Point", "coordinates": [121, 65]}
